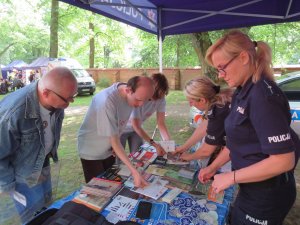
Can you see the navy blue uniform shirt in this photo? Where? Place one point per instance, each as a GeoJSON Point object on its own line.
{"type": "Point", "coordinates": [258, 124]}
{"type": "Point", "coordinates": [215, 133]}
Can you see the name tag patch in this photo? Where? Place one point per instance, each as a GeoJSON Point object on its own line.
{"type": "Point", "coordinates": [279, 138]}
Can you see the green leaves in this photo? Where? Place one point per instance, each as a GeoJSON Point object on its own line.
{"type": "Point", "coordinates": [25, 35]}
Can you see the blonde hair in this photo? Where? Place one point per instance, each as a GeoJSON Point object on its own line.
{"type": "Point", "coordinates": [203, 87]}
{"type": "Point", "coordinates": [234, 42]}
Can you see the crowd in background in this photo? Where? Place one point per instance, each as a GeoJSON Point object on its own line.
{"type": "Point", "coordinates": [16, 80]}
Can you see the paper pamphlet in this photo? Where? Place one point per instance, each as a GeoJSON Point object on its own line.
{"type": "Point", "coordinates": [212, 196]}
{"type": "Point", "coordinates": [120, 208]}
{"type": "Point", "coordinates": [168, 146]}
{"type": "Point", "coordinates": [101, 187]}
{"type": "Point", "coordinates": [124, 171]}
{"type": "Point", "coordinates": [155, 189]}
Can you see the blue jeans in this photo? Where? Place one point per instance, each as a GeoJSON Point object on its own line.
{"type": "Point", "coordinates": [36, 197]}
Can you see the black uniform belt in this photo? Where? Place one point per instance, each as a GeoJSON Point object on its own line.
{"type": "Point", "coordinates": [272, 182]}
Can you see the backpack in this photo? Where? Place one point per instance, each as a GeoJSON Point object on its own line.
{"type": "Point", "coordinates": [72, 213]}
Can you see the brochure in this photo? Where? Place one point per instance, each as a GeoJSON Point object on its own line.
{"type": "Point", "coordinates": [120, 208]}
{"type": "Point", "coordinates": [168, 146]}
{"type": "Point", "coordinates": [101, 187]}
{"type": "Point", "coordinates": [155, 189]}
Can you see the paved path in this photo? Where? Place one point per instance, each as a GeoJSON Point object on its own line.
{"type": "Point", "coordinates": [181, 110]}
{"type": "Point", "coordinates": [76, 110]}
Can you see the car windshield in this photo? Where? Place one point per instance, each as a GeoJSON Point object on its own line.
{"type": "Point", "coordinates": [292, 85]}
{"type": "Point", "coordinates": [79, 73]}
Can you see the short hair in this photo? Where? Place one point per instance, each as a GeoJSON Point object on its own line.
{"type": "Point", "coordinates": [234, 42]}
{"type": "Point", "coordinates": [133, 83]}
{"type": "Point", "coordinates": [161, 85]}
{"type": "Point", "coordinates": [57, 78]}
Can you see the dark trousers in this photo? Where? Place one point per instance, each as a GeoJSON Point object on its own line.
{"type": "Point", "coordinates": [267, 202]}
{"type": "Point", "coordinates": [134, 141]}
{"type": "Point", "coordinates": [93, 168]}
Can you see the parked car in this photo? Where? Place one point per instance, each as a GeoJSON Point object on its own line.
{"type": "Point", "coordinates": [85, 82]}
{"type": "Point", "coordinates": [290, 85]}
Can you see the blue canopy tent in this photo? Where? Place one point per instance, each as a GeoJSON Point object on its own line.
{"type": "Point", "coordinates": [16, 64]}
{"type": "Point", "coordinates": [39, 62]}
{"type": "Point", "coordinates": [169, 17]}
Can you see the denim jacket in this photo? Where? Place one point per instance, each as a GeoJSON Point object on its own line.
{"type": "Point", "coordinates": [22, 149]}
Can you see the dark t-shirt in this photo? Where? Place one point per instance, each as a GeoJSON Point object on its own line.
{"type": "Point", "coordinates": [259, 124]}
{"type": "Point", "coordinates": [215, 133]}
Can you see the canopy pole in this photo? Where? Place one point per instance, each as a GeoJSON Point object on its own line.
{"type": "Point", "coordinates": [160, 41]}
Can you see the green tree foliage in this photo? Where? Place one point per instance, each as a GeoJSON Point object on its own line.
{"type": "Point", "coordinates": [108, 37]}
{"type": "Point", "coordinates": [23, 30]}
{"type": "Point", "coordinates": [284, 39]}
{"type": "Point", "coordinates": [177, 51]}
{"type": "Point", "coordinates": [25, 35]}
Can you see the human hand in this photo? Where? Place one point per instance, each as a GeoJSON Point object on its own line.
{"type": "Point", "coordinates": [206, 174]}
{"type": "Point", "coordinates": [179, 150]}
{"type": "Point", "coordinates": [185, 156]}
{"type": "Point", "coordinates": [222, 181]}
{"type": "Point", "coordinates": [159, 150]}
{"type": "Point", "coordinates": [139, 181]}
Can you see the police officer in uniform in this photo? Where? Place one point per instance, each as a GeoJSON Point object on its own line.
{"type": "Point", "coordinates": [260, 143]}
{"type": "Point", "coordinates": [205, 95]}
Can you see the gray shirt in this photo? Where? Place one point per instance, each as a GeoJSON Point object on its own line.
{"type": "Point", "coordinates": [107, 116]}
{"type": "Point", "coordinates": [145, 111]}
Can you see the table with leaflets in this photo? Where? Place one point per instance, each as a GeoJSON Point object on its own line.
{"type": "Point", "coordinates": [192, 204]}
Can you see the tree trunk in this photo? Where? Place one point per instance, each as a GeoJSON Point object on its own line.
{"type": "Point", "coordinates": [6, 48]}
{"type": "Point", "coordinates": [177, 52]}
{"type": "Point", "coordinates": [53, 53]}
{"type": "Point", "coordinates": [201, 42]}
{"type": "Point", "coordinates": [92, 45]}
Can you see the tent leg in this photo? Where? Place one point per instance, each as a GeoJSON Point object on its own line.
{"type": "Point", "coordinates": [160, 41]}
{"type": "Point", "coordinates": [160, 52]}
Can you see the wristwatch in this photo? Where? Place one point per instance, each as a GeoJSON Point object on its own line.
{"type": "Point", "coordinates": [151, 141]}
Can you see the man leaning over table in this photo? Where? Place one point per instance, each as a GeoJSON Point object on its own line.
{"type": "Point", "coordinates": [30, 125]}
{"type": "Point", "coordinates": [134, 133]}
{"type": "Point", "coordinates": [104, 121]}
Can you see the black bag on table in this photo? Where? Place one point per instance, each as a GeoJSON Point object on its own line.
{"type": "Point", "coordinates": [72, 213]}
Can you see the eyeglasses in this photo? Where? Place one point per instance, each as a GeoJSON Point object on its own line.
{"type": "Point", "coordinates": [66, 100]}
{"type": "Point", "coordinates": [221, 70]}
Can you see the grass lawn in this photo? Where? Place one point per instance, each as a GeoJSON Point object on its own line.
{"type": "Point", "coordinates": [71, 174]}
{"type": "Point", "coordinates": [1, 97]}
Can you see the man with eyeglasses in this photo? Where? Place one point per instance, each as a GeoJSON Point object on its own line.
{"type": "Point", "coordinates": [30, 125]}
{"type": "Point", "coordinates": [104, 122]}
